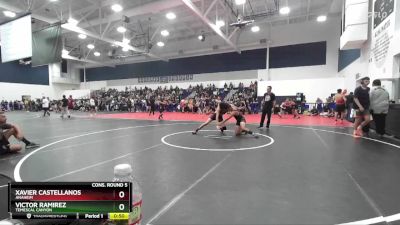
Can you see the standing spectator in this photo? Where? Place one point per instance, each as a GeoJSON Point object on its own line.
{"type": "Point", "coordinates": [70, 103]}
{"type": "Point", "coordinates": [96, 105]}
{"type": "Point", "coordinates": [26, 104]}
{"type": "Point", "coordinates": [362, 103]}
{"type": "Point", "coordinates": [108, 103]}
{"type": "Point", "coordinates": [268, 105]}
{"type": "Point", "coordinates": [340, 102]}
{"type": "Point", "coordinates": [152, 103]}
{"type": "Point", "coordinates": [92, 105]}
{"type": "Point", "coordinates": [379, 98]}
{"type": "Point", "coordinates": [319, 104]}
{"type": "Point", "coordinates": [45, 106]}
{"type": "Point", "coordinates": [64, 107]}
{"type": "Point", "coordinates": [349, 105]}
{"type": "Point", "coordinates": [129, 104]}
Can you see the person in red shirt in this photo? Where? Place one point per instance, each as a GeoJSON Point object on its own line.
{"type": "Point", "coordinates": [70, 103]}
{"type": "Point", "coordinates": [294, 109]}
{"type": "Point", "coordinates": [286, 108]}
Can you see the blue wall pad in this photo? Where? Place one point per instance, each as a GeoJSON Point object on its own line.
{"type": "Point", "coordinates": [13, 72]}
{"type": "Point", "coordinates": [248, 60]}
{"type": "Point", "coordinates": [346, 57]}
{"type": "Point", "coordinates": [310, 54]}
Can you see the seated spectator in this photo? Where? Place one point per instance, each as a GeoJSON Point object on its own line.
{"type": "Point", "coordinates": [6, 131]}
{"type": "Point", "coordinates": [314, 111]}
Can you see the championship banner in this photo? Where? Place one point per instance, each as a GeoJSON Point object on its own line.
{"type": "Point", "coordinates": [166, 79]}
{"type": "Point", "coordinates": [382, 39]}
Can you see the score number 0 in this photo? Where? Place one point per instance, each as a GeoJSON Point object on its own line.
{"type": "Point", "coordinates": [121, 194]}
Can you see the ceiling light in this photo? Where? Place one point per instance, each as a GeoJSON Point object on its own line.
{"type": "Point", "coordinates": [255, 28]}
{"type": "Point", "coordinates": [54, 0]}
{"type": "Point", "coordinates": [170, 16]}
{"type": "Point", "coordinates": [73, 21]}
{"type": "Point", "coordinates": [125, 49]}
{"type": "Point", "coordinates": [126, 41]}
{"type": "Point", "coordinates": [160, 44]}
{"type": "Point", "coordinates": [65, 52]}
{"type": "Point", "coordinates": [9, 13]}
{"type": "Point", "coordinates": [164, 33]}
{"type": "Point", "coordinates": [201, 37]}
{"type": "Point", "coordinates": [90, 46]}
{"type": "Point", "coordinates": [284, 10]}
{"type": "Point", "coordinates": [321, 18]}
{"type": "Point", "coordinates": [117, 8]}
{"type": "Point", "coordinates": [240, 2]}
{"type": "Point", "coordinates": [121, 29]}
{"type": "Point", "coordinates": [96, 54]}
{"type": "Point", "coordinates": [82, 36]}
{"type": "Point", "coordinates": [220, 23]}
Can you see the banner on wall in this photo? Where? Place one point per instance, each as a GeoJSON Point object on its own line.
{"type": "Point", "coordinates": [166, 79]}
{"type": "Point", "coordinates": [381, 60]}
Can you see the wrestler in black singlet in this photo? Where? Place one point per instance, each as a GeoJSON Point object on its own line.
{"type": "Point", "coordinates": [239, 117]}
{"type": "Point", "coordinates": [162, 107]}
{"type": "Point", "coordinates": [223, 108]}
{"type": "Point", "coordinates": [152, 102]}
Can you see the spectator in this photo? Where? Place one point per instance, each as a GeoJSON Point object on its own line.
{"type": "Point", "coordinates": [361, 106]}
{"type": "Point", "coordinates": [268, 105]}
{"type": "Point", "coordinates": [45, 106]}
{"type": "Point", "coordinates": [6, 131]}
{"type": "Point", "coordinates": [340, 102]}
{"type": "Point", "coordinates": [64, 106]}
{"type": "Point", "coordinates": [314, 111]}
{"type": "Point", "coordinates": [379, 98]}
{"type": "Point", "coordinates": [349, 105]}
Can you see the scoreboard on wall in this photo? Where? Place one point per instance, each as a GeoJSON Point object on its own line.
{"type": "Point", "coordinates": [66, 200]}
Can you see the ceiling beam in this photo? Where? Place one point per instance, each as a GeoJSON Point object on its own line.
{"type": "Point", "coordinates": [154, 7]}
{"type": "Point", "coordinates": [6, 5]}
{"type": "Point", "coordinates": [210, 7]}
{"type": "Point", "coordinates": [42, 6]}
{"type": "Point", "coordinates": [308, 8]}
{"type": "Point", "coordinates": [87, 14]}
{"type": "Point", "coordinates": [108, 40]}
{"type": "Point", "coordinates": [87, 61]}
{"type": "Point", "coordinates": [233, 32]}
{"type": "Point", "coordinates": [336, 6]}
{"type": "Point", "coordinates": [193, 53]}
{"type": "Point", "coordinates": [207, 21]}
{"type": "Point", "coordinates": [103, 32]}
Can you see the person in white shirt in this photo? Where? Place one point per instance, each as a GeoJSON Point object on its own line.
{"type": "Point", "coordinates": [92, 105]}
{"type": "Point", "coordinates": [45, 106]}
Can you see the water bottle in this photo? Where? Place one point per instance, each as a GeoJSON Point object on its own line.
{"type": "Point", "coordinates": [11, 222]}
{"type": "Point", "coordinates": [123, 173]}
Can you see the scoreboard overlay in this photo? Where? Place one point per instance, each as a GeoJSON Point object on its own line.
{"type": "Point", "coordinates": [70, 200]}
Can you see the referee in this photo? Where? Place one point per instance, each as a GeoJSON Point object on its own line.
{"type": "Point", "coordinates": [268, 103]}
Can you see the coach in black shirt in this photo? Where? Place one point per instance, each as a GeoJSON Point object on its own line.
{"type": "Point", "coordinates": [268, 105]}
{"type": "Point", "coordinates": [361, 106]}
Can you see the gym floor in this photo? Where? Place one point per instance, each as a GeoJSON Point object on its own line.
{"type": "Point", "coordinates": [288, 175]}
